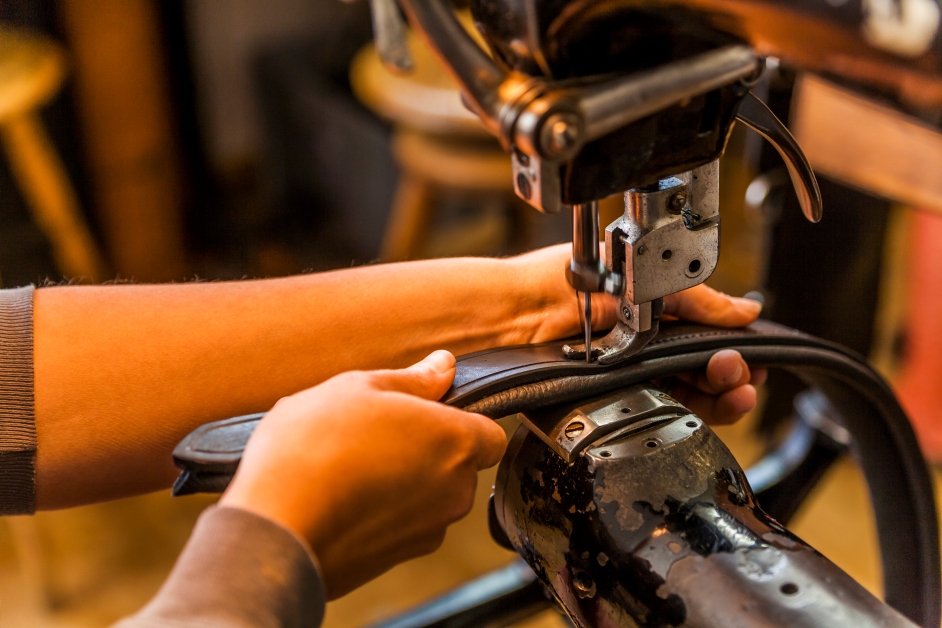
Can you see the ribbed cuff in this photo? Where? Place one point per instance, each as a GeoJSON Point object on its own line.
{"type": "Point", "coordinates": [17, 407]}
{"type": "Point", "coordinates": [238, 570]}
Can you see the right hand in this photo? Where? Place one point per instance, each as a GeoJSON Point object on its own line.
{"type": "Point", "coordinates": [722, 393]}
{"type": "Point", "coordinates": [367, 467]}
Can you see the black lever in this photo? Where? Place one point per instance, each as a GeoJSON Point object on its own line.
{"type": "Point", "coordinates": [757, 116]}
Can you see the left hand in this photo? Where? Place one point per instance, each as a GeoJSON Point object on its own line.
{"type": "Point", "coordinates": [723, 393]}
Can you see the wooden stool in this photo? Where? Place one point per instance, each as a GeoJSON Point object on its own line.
{"type": "Point", "coordinates": [444, 151]}
{"type": "Point", "coordinates": [31, 71]}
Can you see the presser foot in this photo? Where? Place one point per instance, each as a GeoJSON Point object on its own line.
{"type": "Point", "coordinates": [620, 343]}
{"type": "Point", "coordinates": [624, 340]}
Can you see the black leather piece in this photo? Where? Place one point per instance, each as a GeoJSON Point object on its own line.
{"type": "Point", "coordinates": [209, 456]}
{"type": "Point", "coordinates": [509, 380]}
{"type": "Point", "coordinates": [534, 375]}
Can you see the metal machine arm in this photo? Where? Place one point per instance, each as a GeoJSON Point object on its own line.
{"type": "Point", "coordinates": [547, 123]}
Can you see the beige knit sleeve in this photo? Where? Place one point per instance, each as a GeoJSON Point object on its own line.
{"type": "Point", "coordinates": [17, 410]}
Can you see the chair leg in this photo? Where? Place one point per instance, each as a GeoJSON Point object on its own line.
{"type": "Point", "coordinates": [51, 198]}
{"type": "Point", "coordinates": [409, 219]}
{"type": "Point", "coordinates": [36, 598]}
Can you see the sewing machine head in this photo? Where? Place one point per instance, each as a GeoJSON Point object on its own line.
{"type": "Point", "coordinates": [594, 98]}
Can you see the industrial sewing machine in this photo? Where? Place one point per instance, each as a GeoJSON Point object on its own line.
{"type": "Point", "coordinates": [625, 507]}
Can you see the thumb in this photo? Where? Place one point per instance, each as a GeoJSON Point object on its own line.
{"type": "Point", "coordinates": [429, 379]}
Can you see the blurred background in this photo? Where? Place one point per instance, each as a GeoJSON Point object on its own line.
{"type": "Point", "coordinates": [221, 139]}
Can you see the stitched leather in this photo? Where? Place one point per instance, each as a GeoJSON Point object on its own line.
{"type": "Point", "coordinates": [513, 379]}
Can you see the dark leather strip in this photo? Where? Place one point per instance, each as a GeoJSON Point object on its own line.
{"type": "Point", "coordinates": [489, 372]}
{"type": "Point", "coordinates": [514, 379]}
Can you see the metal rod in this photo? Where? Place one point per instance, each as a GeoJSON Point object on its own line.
{"type": "Point", "coordinates": [585, 234]}
{"type": "Point", "coordinates": [585, 257]}
{"type": "Point", "coordinates": [613, 104]}
{"type": "Point", "coordinates": [587, 314]}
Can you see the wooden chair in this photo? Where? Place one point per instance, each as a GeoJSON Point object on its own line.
{"type": "Point", "coordinates": [32, 69]}
{"type": "Point", "coordinates": [445, 154]}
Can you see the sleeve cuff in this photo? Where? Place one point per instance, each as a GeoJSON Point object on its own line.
{"type": "Point", "coordinates": [17, 410]}
{"type": "Point", "coordinates": [238, 570]}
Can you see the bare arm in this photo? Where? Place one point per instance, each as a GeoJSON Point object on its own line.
{"type": "Point", "coordinates": [122, 373]}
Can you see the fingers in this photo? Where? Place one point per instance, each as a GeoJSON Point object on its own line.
{"type": "Point", "coordinates": [428, 379]}
{"type": "Point", "coordinates": [724, 391]}
{"type": "Point", "coordinates": [758, 377]}
{"type": "Point", "coordinates": [725, 371]}
{"type": "Point", "coordinates": [703, 304]}
{"type": "Point", "coordinates": [722, 409]}
{"type": "Point", "coordinates": [491, 440]}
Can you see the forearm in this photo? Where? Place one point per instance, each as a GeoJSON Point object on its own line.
{"type": "Point", "coordinates": [122, 373]}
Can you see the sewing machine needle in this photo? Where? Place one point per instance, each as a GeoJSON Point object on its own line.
{"type": "Point", "coordinates": [588, 325]}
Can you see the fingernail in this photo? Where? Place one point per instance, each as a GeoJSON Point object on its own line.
{"type": "Point", "coordinates": [750, 305]}
{"type": "Point", "coordinates": [735, 375]}
{"type": "Point", "coordinates": [439, 361]}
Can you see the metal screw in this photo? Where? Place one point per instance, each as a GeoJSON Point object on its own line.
{"type": "Point", "coordinates": [574, 429]}
{"type": "Point", "coordinates": [626, 312]}
{"type": "Point", "coordinates": [522, 158]}
{"type": "Point", "coordinates": [677, 203]}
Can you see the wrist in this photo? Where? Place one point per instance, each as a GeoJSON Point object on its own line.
{"type": "Point", "coordinates": [268, 504]}
{"type": "Point", "coordinates": [543, 299]}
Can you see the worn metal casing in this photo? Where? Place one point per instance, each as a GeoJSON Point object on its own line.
{"type": "Point", "coordinates": [656, 525]}
{"type": "Point", "coordinates": [662, 249]}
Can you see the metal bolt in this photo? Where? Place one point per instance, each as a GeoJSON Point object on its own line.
{"type": "Point", "coordinates": [560, 133]}
{"type": "Point", "coordinates": [626, 312]}
{"type": "Point", "coordinates": [677, 203]}
{"type": "Point", "coordinates": [583, 583]}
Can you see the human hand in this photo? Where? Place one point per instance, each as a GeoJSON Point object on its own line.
{"type": "Point", "coordinates": [367, 467]}
{"type": "Point", "coordinates": [721, 394]}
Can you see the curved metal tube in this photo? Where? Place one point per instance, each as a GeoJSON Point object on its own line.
{"type": "Point", "coordinates": [480, 78]}
{"type": "Point", "coordinates": [756, 115]}
{"type": "Point", "coordinates": [499, 598]}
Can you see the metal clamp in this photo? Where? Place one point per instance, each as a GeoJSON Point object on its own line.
{"type": "Point", "coordinates": [569, 432]}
